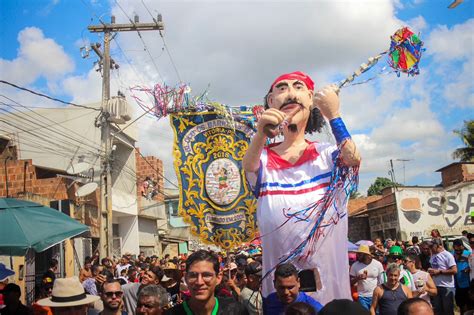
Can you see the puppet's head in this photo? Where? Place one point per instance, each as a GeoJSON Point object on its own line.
{"type": "Point", "coordinates": [295, 89]}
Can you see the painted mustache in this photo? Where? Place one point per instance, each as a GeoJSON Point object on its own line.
{"type": "Point", "coordinates": [291, 102]}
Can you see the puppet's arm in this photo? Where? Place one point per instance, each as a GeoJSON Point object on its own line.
{"type": "Point", "coordinates": [251, 161]}
{"type": "Point", "coordinates": [327, 101]}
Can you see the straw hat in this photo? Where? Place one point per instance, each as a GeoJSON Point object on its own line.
{"type": "Point", "coordinates": [68, 292]}
{"type": "Point", "coordinates": [363, 249]}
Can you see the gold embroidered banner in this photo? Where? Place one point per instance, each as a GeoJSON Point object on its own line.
{"type": "Point", "coordinates": [214, 196]}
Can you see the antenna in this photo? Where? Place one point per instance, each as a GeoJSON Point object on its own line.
{"type": "Point", "coordinates": [403, 161]}
{"type": "Point", "coordinates": [77, 168]}
{"type": "Point", "coordinates": [87, 189]}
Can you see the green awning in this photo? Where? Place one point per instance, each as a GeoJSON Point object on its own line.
{"type": "Point", "coordinates": [25, 225]}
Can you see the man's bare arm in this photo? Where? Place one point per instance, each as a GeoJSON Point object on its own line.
{"type": "Point", "coordinates": [375, 300]}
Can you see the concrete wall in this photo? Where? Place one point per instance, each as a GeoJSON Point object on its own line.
{"type": "Point", "coordinates": [359, 228]}
{"type": "Point", "coordinates": [128, 231]}
{"type": "Point", "coordinates": [147, 232]}
{"type": "Point", "coordinates": [383, 221]}
{"type": "Point", "coordinates": [75, 135]}
{"type": "Point", "coordinates": [124, 189]}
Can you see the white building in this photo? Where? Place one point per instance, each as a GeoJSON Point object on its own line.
{"type": "Point", "coordinates": [61, 138]}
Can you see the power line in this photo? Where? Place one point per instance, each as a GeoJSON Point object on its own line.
{"type": "Point", "coordinates": [50, 120]}
{"type": "Point", "coordinates": [38, 126]}
{"type": "Point", "coordinates": [164, 43]}
{"type": "Point", "coordinates": [48, 138]}
{"type": "Point", "coordinates": [54, 124]}
{"type": "Point", "coordinates": [35, 135]}
{"type": "Point", "coordinates": [143, 41]}
{"type": "Point", "coordinates": [35, 143]}
{"type": "Point", "coordinates": [46, 96]}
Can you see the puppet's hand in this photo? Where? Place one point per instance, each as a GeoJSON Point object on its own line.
{"type": "Point", "coordinates": [327, 101]}
{"type": "Point", "coordinates": [271, 116]}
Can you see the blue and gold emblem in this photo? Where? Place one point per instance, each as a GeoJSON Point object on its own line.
{"type": "Point", "coordinates": [214, 196]}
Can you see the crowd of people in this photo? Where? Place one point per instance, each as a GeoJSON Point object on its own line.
{"type": "Point", "coordinates": [301, 237]}
{"type": "Point", "coordinates": [390, 277]}
{"type": "Point", "coordinates": [387, 274]}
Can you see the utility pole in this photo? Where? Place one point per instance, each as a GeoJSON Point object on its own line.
{"type": "Point", "coordinates": [105, 63]}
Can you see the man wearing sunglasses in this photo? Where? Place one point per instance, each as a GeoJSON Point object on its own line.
{"type": "Point", "coordinates": [395, 255]}
{"type": "Point", "coordinates": [111, 297]}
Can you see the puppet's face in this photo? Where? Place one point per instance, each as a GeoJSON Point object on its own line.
{"type": "Point", "coordinates": [288, 94]}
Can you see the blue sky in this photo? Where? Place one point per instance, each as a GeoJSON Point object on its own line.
{"type": "Point", "coordinates": [238, 47]}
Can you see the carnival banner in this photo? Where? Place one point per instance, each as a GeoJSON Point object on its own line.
{"type": "Point", "coordinates": [214, 196]}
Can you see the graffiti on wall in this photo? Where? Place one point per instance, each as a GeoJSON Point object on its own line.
{"type": "Point", "coordinates": [421, 210]}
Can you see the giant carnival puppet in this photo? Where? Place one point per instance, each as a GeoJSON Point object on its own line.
{"type": "Point", "coordinates": [303, 187]}
{"type": "Point", "coordinates": [301, 218]}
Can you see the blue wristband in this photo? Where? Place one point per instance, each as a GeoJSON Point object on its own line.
{"type": "Point", "coordinates": [339, 130]}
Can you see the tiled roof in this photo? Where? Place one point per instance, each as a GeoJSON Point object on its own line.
{"type": "Point", "coordinates": [359, 205]}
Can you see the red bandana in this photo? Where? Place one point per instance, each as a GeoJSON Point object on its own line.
{"type": "Point", "coordinates": [297, 75]}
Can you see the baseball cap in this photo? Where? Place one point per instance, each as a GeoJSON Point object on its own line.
{"type": "Point", "coordinates": [254, 268]}
{"type": "Point", "coordinates": [395, 251]}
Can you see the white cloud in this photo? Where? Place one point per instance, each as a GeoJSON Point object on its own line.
{"type": "Point", "coordinates": [417, 24]}
{"type": "Point", "coordinates": [239, 47]}
{"type": "Point", "coordinates": [212, 43]}
{"type": "Point", "coordinates": [409, 124]}
{"type": "Point", "coordinates": [38, 56]}
{"type": "Point", "coordinates": [459, 92]}
{"type": "Point", "coordinates": [456, 43]}
{"type": "Point", "coordinates": [449, 46]}
{"type": "Point", "coordinates": [85, 88]}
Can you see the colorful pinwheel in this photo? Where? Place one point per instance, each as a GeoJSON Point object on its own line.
{"type": "Point", "coordinates": [405, 52]}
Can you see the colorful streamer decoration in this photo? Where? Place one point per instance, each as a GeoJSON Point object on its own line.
{"type": "Point", "coordinates": [405, 52]}
{"type": "Point", "coordinates": [344, 181]}
{"type": "Point", "coordinates": [404, 56]}
{"type": "Point", "coordinates": [210, 142]}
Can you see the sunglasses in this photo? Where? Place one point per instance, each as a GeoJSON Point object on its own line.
{"type": "Point", "coordinates": [118, 294]}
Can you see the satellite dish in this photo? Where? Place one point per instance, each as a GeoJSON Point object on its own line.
{"type": "Point", "coordinates": [87, 189]}
{"type": "Point", "coordinates": [77, 168]}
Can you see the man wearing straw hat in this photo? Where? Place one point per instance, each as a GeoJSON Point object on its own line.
{"type": "Point", "coordinates": [365, 272]}
{"type": "Point", "coordinates": [68, 297]}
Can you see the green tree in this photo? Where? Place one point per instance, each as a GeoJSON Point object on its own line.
{"type": "Point", "coordinates": [379, 184]}
{"type": "Point", "coordinates": [465, 154]}
{"type": "Point", "coordinates": [355, 194]}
